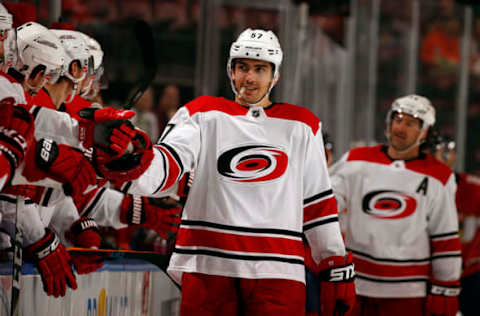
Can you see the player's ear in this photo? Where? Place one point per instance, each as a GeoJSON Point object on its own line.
{"type": "Point", "coordinates": [276, 78]}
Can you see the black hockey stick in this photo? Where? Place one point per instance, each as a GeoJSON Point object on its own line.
{"type": "Point", "coordinates": [144, 35]}
{"type": "Point", "coordinates": [17, 259]}
{"type": "Point", "coordinates": [155, 258]}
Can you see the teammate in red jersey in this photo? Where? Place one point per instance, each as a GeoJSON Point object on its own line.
{"type": "Point", "coordinates": [400, 220]}
{"type": "Point", "coordinates": [468, 206]}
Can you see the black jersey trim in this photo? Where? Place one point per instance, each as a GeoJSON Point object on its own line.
{"type": "Point", "coordinates": [452, 255]}
{"type": "Point", "coordinates": [320, 222]}
{"type": "Point", "coordinates": [47, 197]}
{"type": "Point", "coordinates": [165, 171]}
{"type": "Point", "coordinates": [175, 155]}
{"type": "Point", "coordinates": [318, 196]}
{"type": "Point", "coordinates": [14, 200]}
{"type": "Point", "coordinates": [444, 235]}
{"type": "Point", "coordinates": [219, 254]}
{"type": "Point", "coordinates": [95, 201]}
{"type": "Point", "coordinates": [126, 187]}
{"type": "Point", "coordinates": [35, 112]}
{"type": "Point", "coordinates": [243, 229]}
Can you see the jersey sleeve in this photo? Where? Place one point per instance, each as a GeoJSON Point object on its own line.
{"type": "Point", "coordinates": [62, 217]}
{"type": "Point", "coordinates": [103, 206]}
{"type": "Point", "coordinates": [175, 154]}
{"type": "Point", "coordinates": [443, 231]}
{"type": "Point", "coordinates": [58, 126]}
{"type": "Point", "coordinates": [339, 182]}
{"type": "Point", "coordinates": [320, 214]}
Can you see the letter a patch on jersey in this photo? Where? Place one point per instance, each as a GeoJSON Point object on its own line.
{"type": "Point", "coordinates": [423, 187]}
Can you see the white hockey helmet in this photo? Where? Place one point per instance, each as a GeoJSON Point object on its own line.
{"type": "Point", "coordinates": [95, 49]}
{"type": "Point", "coordinates": [38, 46]}
{"type": "Point", "coordinates": [416, 106]}
{"type": "Point", "coordinates": [260, 45]}
{"type": "Point", "coordinates": [76, 49]}
{"type": "Point", "coordinates": [6, 20]}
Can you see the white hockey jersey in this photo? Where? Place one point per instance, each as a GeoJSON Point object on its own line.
{"type": "Point", "coordinates": [261, 181]}
{"type": "Point", "coordinates": [399, 220]}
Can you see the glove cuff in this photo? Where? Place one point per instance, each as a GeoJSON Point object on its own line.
{"type": "Point", "coordinates": [337, 269]}
{"type": "Point", "coordinates": [449, 289]}
{"type": "Point", "coordinates": [82, 224]}
{"type": "Point", "coordinates": [45, 246]}
{"type": "Point", "coordinates": [132, 210]}
{"type": "Point", "coordinates": [46, 153]}
{"type": "Point", "coordinates": [16, 142]}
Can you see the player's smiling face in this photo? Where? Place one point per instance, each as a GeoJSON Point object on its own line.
{"type": "Point", "coordinates": [252, 80]}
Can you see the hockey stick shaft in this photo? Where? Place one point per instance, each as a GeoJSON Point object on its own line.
{"type": "Point", "coordinates": [144, 36]}
{"type": "Point", "coordinates": [17, 258]}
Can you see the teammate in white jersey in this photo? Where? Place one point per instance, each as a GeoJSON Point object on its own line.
{"type": "Point", "coordinates": [261, 184]}
{"type": "Point", "coordinates": [400, 219]}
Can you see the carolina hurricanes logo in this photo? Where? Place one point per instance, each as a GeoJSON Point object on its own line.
{"type": "Point", "coordinates": [389, 204]}
{"type": "Point", "coordinates": [253, 163]}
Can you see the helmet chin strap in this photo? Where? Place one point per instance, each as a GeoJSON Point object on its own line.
{"type": "Point", "coordinates": [34, 90]}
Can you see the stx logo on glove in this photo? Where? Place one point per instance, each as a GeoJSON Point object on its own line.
{"type": "Point", "coordinates": [340, 274]}
{"type": "Point", "coordinates": [444, 291]}
{"type": "Point", "coordinates": [49, 249]}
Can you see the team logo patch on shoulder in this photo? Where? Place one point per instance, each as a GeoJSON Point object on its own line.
{"type": "Point", "coordinates": [252, 163]}
{"type": "Point", "coordinates": [389, 204]}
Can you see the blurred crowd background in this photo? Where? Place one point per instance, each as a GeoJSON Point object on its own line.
{"type": "Point", "coordinates": [345, 60]}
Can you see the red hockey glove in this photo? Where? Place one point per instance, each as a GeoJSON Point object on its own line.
{"type": "Point", "coordinates": [16, 132]}
{"type": "Point", "coordinates": [61, 163]}
{"type": "Point", "coordinates": [150, 213]}
{"type": "Point", "coordinates": [442, 298]}
{"type": "Point", "coordinates": [84, 233]}
{"type": "Point", "coordinates": [130, 166]}
{"type": "Point", "coordinates": [113, 140]}
{"type": "Point", "coordinates": [90, 117]}
{"type": "Point", "coordinates": [53, 262]}
{"type": "Point", "coordinates": [337, 287]}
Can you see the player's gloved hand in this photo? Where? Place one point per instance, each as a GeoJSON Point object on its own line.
{"type": "Point", "coordinates": [337, 287]}
{"type": "Point", "coordinates": [129, 166]}
{"type": "Point", "coordinates": [84, 233]}
{"type": "Point", "coordinates": [53, 262]}
{"type": "Point", "coordinates": [61, 163]}
{"type": "Point", "coordinates": [150, 213]}
{"type": "Point", "coordinates": [442, 298]}
{"type": "Point", "coordinates": [16, 132]}
{"type": "Point", "coordinates": [90, 117]}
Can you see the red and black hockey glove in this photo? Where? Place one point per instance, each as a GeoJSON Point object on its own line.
{"type": "Point", "coordinates": [53, 262]}
{"type": "Point", "coordinates": [129, 166]}
{"type": "Point", "coordinates": [442, 298]}
{"type": "Point", "coordinates": [16, 132]}
{"type": "Point", "coordinates": [337, 287]}
{"type": "Point", "coordinates": [84, 233]}
{"type": "Point", "coordinates": [61, 163]}
{"type": "Point", "coordinates": [151, 214]}
{"type": "Point", "coordinates": [91, 117]}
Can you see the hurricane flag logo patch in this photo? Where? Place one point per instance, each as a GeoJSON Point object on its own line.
{"type": "Point", "coordinates": [389, 204]}
{"type": "Point", "coordinates": [252, 163]}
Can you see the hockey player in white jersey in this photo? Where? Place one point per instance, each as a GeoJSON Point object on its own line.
{"type": "Point", "coordinates": [400, 219]}
{"type": "Point", "coordinates": [261, 183]}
